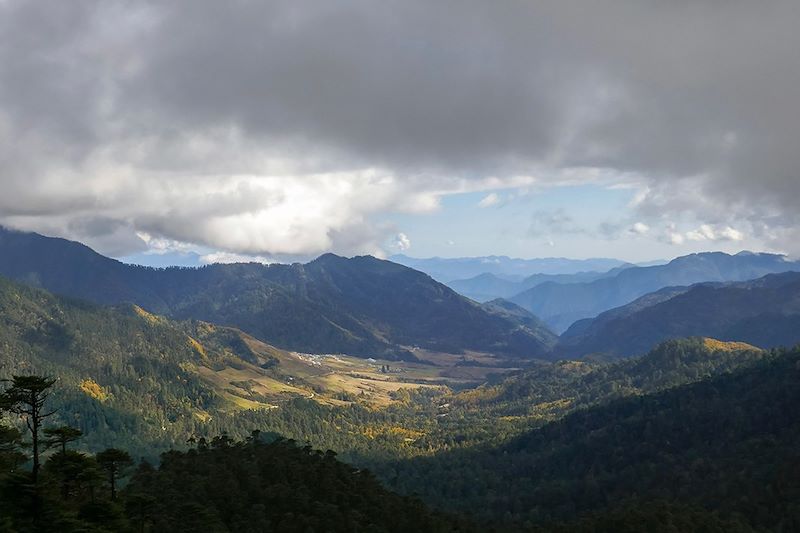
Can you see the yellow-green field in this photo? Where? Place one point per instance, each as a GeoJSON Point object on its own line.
{"type": "Point", "coordinates": [340, 379]}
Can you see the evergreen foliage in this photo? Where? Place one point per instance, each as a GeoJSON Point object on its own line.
{"type": "Point", "coordinates": [726, 445]}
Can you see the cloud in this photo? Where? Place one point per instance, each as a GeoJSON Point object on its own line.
{"type": "Point", "coordinates": [401, 242]}
{"type": "Point", "coordinates": [640, 228]}
{"type": "Point", "coordinates": [547, 222]}
{"type": "Point", "coordinates": [271, 128]}
{"type": "Point", "coordinates": [489, 200]}
{"type": "Point", "coordinates": [227, 257]}
{"type": "Point", "coordinates": [708, 233]}
{"type": "Point", "coordinates": [675, 238]}
{"type": "Point", "coordinates": [704, 233]}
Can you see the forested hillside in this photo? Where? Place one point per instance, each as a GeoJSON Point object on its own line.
{"type": "Point", "coordinates": [129, 378]}
{"type": "Point", "coordinates": [725, 446]}
{"type": "Point", "coordinates": [219, 486]}
{"type": "Point", "coordinates": [133, 379]}
{"type": "Point", "coordinates": [361, 306]}
{"type": "Point", "coordinates": [591, 460]}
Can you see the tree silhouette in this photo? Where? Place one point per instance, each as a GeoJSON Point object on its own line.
{"type": "Point", "coordinates": [61, 436]}
{"type": "Point", "coordinates": [26, 397]}
{"type": "Point", "coordinates": [10, 443]}
{"type": "Point", "coordinates": [114, 461]}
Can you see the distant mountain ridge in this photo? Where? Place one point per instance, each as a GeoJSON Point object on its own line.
{"type": "Point", "coordinates": [764, 312]}
{"type": "Point", "coordinates": [445, 269]}
{"type": "Point", "coordinates": [486, 286]}
{"type": "Point", "coordinates": [560, 305]}
{"type": "Point", "coordinates": [361, 306]}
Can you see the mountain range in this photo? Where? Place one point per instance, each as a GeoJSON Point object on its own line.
{"type": "Point", "coordinates": [369, 307]}
{"type": "Point", "coordinates": [486, 286]}
{"type": "Point", "coordinates": [361, 306]}
{"type": "Point", "coordinates": [509, 268]}
{"type": "Point", "coordinates": [559, 305]}
{"type": "Point", "coordinates": [764, 312]}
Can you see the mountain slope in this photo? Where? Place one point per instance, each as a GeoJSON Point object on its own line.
{"type": "Point", "coordinates": [361, 306]}
{"type": "Point", "coordinates": [556, 389]}
{"type": "Point", "coordinates": [763, 312]}
{"type": "Point", "coordinates": [560, 305]}
{"type": "Point", "coordinates": [123, 374]}
{"type": "Point", "coordinates": [726, 445]}
{"type": "Point", "coordinates": [526, 320]}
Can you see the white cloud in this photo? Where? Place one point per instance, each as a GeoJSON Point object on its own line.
{"type": "Point", "coordinates": [730, 234]}
{"type": "Point", "coordinates": [159, 246]}
{"type": "Point", "coordinates": [703, 233]}
{"type": "Point", "coordinates": [640, 228]}
{"type": "Point", "coordinates": [489, 200]}
{"type": "Point", "coordinates": [708, 233]}
{"type": "Point", "coordinates": [401, 242]}
{"type": "Point", "coordinates": [227, 257]}
{"type": "Point", "coordinates": [675, 238]}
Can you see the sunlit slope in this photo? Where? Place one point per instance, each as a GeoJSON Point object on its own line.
{"type": "Point", "coordinates": [129, 375]}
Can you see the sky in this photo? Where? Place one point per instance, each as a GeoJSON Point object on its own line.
{"type": "Point", "coordinates": [199, 131]}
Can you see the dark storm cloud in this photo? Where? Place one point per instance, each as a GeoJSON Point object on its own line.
{"type": "Point", "coordinates": [283, 126]}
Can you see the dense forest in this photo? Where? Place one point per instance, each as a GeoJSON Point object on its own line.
{"type": "Point", "coordinates": [259, 484]}
{"type": "Point", "coordinates": [727, 445]}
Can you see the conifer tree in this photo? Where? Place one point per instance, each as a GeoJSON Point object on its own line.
{"type": "Point", "coordinates": [27, 397]}
{"type": "Point", "coordinates": [114, 462]}
{"type": "Point", "coordinates": [61, 436]}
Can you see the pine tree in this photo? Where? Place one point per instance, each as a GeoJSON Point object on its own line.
{"type": "Point", "coordinates": [114, 462]}
{"type": "Point", "coordinates": [27, 397]}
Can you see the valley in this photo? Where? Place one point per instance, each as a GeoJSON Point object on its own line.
{"type": "Point", "coordinates": [340, 379]}
{"type": "Point", "coordinates": [423, 420]}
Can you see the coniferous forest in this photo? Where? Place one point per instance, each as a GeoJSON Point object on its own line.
{"type": "Point", "coordinates": [700, 456]}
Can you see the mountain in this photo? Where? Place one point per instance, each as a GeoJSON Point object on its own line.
{"type": "Point", "coordinates": [361, 306]}
{"type": "Point", "coordinates": [485, 287]}
{"type": "Point", "coordinates": [763, 312]}
{"type": "Point", "coordinates": [724, 449]}
{"type": "Point", "coordinates": [522, 317]}
{"type": "Point", "coordinates": [560, 305]}
{"type": "Point", "coordinates": [554, 390]}
{"type": "Point", "coordinates": [127, 376]}
{"type": "Point", "coordinates": [509, 268]}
